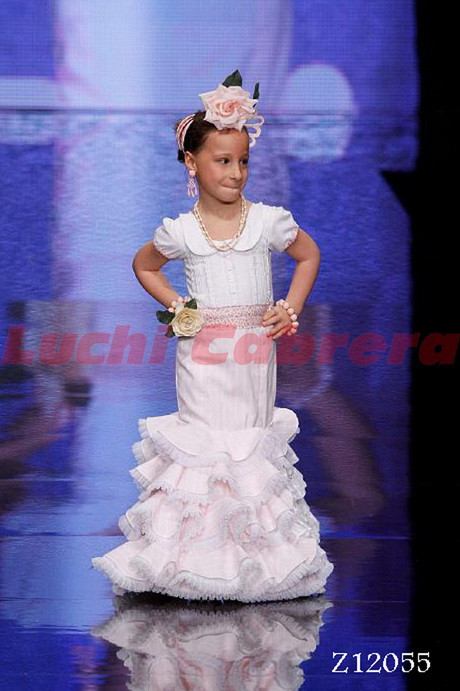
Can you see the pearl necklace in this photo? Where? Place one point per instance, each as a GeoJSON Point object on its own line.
{"type": "Point", "coordinates": [228, 243]}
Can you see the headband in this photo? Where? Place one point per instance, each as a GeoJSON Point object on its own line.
{"type": "Point", "coordinates": [227, 107]}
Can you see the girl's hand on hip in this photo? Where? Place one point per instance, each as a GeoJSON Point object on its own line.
{"type": "Point", "coordinates": [278, 321]}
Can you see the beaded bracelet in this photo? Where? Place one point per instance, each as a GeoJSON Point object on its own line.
{"type": "Point", "coordinates": [172, 307]}
{"type": "Point", "coordinates": [290, 310]}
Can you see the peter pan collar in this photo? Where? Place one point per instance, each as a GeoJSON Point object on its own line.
{"type": "Point", "coordinates": [197, 243]}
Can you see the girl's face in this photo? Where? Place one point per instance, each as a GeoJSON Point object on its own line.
{"type": "Point", "coordinates": [221, 165]}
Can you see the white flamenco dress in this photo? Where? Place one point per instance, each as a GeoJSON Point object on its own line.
{"type": "Point", "coordinates": [222, 513]}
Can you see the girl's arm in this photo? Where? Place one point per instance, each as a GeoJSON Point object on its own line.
{"type": "Point", "coordinates": [146, 266]}
{"type": "Point", "coordinates": [307, 255]}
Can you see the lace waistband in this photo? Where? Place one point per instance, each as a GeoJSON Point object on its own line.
{"type": "Point", "coordinates": [245, 316]}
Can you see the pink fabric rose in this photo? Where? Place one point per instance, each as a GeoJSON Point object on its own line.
{"type": "Point", "coordinates": [228, 106]}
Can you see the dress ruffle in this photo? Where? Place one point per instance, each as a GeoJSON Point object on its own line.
{"type": "Point", "coordinates": [221, 514]}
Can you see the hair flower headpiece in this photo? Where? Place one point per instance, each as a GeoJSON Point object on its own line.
{"type": "Point", "coordinates": [231, 106]}
{"type": "Point", "coordinates": [228, 106]}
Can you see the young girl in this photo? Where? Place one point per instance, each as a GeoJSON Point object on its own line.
{"type": "Point", "coordinates": [222, 513]}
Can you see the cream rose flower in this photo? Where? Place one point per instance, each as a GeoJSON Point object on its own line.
{"type": "Point", "coordinates": [187, 321]}
{"type": "Point", "coordinates": [228, 106]}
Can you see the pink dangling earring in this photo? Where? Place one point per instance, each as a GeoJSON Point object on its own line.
{"type": "Point", "coordinates": [192, 189]}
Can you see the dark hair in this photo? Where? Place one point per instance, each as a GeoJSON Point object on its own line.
{"type": "Point", "coordinates": [196, 134]}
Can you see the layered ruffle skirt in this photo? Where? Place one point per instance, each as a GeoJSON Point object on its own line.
{"type": "Point", "coordinates": [221, 512]}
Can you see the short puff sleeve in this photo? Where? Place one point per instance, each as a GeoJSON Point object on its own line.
{"type": "Point", "coordinates": [168, 239]}
{"type": "Point", "coordinates": [282, 229]}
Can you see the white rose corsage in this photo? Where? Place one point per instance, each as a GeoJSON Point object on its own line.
{"type": "Point", "coordinates": [186, 320]}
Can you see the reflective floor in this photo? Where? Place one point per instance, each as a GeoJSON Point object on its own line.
{"type": "Point", "coordinates": [83, 193]}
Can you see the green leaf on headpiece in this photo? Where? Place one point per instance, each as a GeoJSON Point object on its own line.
{"type": "Point", "coordinates": [256, 91]}
{"type": "Point", "coordinates": [233, 79]}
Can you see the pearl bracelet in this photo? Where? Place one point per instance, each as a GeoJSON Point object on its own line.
{"type": "Point", "coordinates": [172, 307]}
{"type": "Point", "coordinates": [290, 310]}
